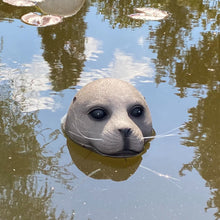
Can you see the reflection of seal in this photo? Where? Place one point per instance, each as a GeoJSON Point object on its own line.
{"type": "Point", "coordinates": [98, 167]}
{"type": "Point", "coordinates": [110, 117]}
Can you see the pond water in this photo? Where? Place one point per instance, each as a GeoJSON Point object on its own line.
{"type": "Point", "coordinates": [175, 63]}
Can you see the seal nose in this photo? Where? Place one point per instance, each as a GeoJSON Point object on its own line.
{"type": "Point", "coordinates": [125, 132]}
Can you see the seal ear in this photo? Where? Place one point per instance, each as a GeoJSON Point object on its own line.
{"type": "Point", "coordinates": [74, 99]}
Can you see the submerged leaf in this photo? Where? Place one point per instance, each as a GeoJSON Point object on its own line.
{"type": "Point", "coordinates": [149, 14]}
{"type": "Point", "coordinates": [39, 20]}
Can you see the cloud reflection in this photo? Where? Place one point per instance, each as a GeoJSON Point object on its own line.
{"type": "Point", "coordinates": [28, 84]}
{"type": "Point", "coordinates": [123, 67]}
{"type": "Point", "coordinates": [92, 48]}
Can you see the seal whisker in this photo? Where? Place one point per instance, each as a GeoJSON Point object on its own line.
{"type": "Point", "coordinates": [82, 135]}
{"type": "Point", "coordinates": [159, 136]}
{"type": "Point", "coordinates": [165, 134]}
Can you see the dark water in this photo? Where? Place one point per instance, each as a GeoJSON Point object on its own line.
{"type": "Point", "coordinates": [175, 63]}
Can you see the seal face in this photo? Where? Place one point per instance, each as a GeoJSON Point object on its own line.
{"type": "Point", "coordinates": [109, 116]}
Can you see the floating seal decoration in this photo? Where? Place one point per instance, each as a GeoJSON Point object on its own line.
{"type": "Point", "coordinates": [111, 117]}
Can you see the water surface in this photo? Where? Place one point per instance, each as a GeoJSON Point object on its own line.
{"type": "Point", "coordinates": [175, 63]}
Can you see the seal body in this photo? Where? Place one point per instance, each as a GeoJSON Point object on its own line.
{"type": "Point", "coordinates": [109, 116]}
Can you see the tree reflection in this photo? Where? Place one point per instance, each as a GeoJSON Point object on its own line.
{"type": "Point", "coordinates": [64, 46]}
{"type": "Point", "coordinates": [25, 192]}
{"type": "Point", "coordinates": [9, 12]}
{"type": "Point", "coordinates": [22, 194]}
{"type": "Point", "coordinates": [199, 65]}
{"type": "Point", "coordinates": [195, 64]}
{"type": "Point", "coordinates": [204, 133]}
{"type": "Point", "coordinates": [19, 160]}
{"type": "Point", "coordinates": [116, 11]}
{"type": "Point", "coordinates": [173, 37]}
{"type": "Point", "coordinates": [187, 62]}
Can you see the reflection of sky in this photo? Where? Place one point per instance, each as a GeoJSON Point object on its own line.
{"type": "Point", "coordinates": [123, 67]}
{"type": "Point", "coordinates": [108, 52]}
{"type": "Point", "coordinates": [28, 83]}
{"type": "Point", "coordinates": [25, 72]}
{"type": "Point", "coordinates": [15, 41]}
{"type": "Point", "coordinates": [124, 55]}
{"type": "Point", "coordinates": [92, 48]}
{"type": "Point", "coordinates": [203, 25]}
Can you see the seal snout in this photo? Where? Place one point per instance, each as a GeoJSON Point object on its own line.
{"type": "Point", "coordinates": [125, 132]}
{"type": "Point", "coordinates": [126, 151]}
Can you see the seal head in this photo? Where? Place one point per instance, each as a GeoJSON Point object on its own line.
{"type": "Point", "coordinates": [109, 116]}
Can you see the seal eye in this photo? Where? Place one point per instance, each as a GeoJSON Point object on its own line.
{"type": "Point", "coordinates": [136, 111]}
{"type": "Point", "coordinates": [98, 114]}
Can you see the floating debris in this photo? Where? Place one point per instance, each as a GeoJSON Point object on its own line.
{"type": "Point", "coordinates": [22, 3]}
{"type": "Point", "coordinates": [211, 70]}
{"type": "Point", "coordinates": [55, 10]}
{"type": "Point", "coordinates": [149, 14]}
{"type": "Point", "coordinates": [41, 20]}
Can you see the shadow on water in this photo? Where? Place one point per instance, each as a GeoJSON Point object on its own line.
{"type": "Point", "coordinates": [101, 167]}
